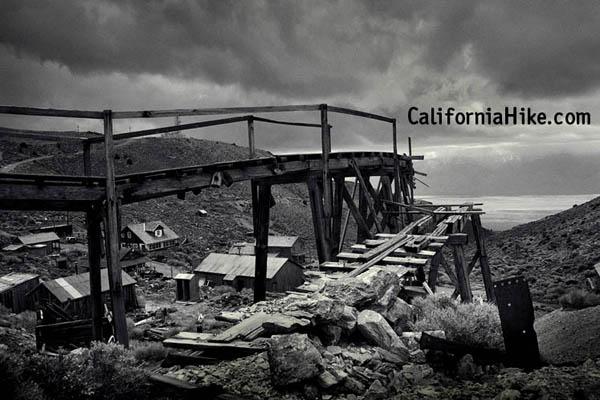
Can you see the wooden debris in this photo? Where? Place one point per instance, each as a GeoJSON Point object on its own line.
{"type": "Point", "coordinates": [249, 329]}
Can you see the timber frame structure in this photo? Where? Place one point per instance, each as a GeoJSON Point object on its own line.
{"type": "Point", "coordinates": [389, 208]}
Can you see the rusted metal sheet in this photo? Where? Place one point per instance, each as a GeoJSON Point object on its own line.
{"type": "Point", "coordinates": [517, 317]}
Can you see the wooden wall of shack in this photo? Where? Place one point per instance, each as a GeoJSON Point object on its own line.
{"type": "Point", "coordinates": [80, 308]}
{"type": "Point", "coordinates": [16, 299]}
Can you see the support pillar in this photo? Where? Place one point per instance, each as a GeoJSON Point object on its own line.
{"type": "Point", "coordinates": [457, 242]}
{"type": "Point", "coordinates": [326, 178]}
{"type": "Point", "coordinates": [113, 237]}
{"type": "Point", "coordinates": [262, 242]}
{"type": "Point", "coordinates": [94, 243]}
{"type": "Point", "coordinates": [483, 258]}
{"type": "Point", "coordinates": [319, 221]}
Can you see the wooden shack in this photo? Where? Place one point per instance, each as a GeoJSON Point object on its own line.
{"type": "Point", "coordinates": [238, 271]}
{"type": "Point", "coordinates": [72, 294]}
{"type": "Point", "coordinates": [38, 244]}
{"type": "Point", "coordinates": [187, 287]}
{"type": "Point", "coordinates": [14, 288]}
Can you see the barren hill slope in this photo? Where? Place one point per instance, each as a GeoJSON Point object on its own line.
{"type": "Point", "coordinates": [556, 253]}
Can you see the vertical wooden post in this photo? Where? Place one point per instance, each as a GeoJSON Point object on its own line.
{"type": "Point", "coordinates": [397, 183]}
{"type": "Point", "coordinates": [483, 259]}
{"type": "Point", "coordinates": [327, 185]}
{"type": "Point", "coordinates": [345, 228]}
{"type": "Point", "coordinates": [460, 265]}
{"type": "Point", "coordinates": [361, 233]}
{"type": "Point", "coordinates": [94, 243]}
{"type": "Point", "coordinates": [113, 236]}
{"type": "Point", "coordinates": [338, 203]}
{"type": "Point", "coordinates": [316, 204]}
{"type": "Point", "coordinates": [434, 266]}
{"type": "Point", "coordinates": [262, 242]}
{"type": "Point", "coordinates": [253, 185]}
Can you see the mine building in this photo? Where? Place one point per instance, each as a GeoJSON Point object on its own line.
{"type": "Point", "coordinates": [130, 260]}
{"type": "Point", "coordinates": [279, 246]}
{"type": "Point", "coordinates": [149, 236]}
{"type": "Point", "coordinates": [39, 244]}
{"type": "Point", "coordinates": [71, 295]}
{"type": "Point", "coordinates": [14, 288]}
{"type": "Point", "coordinates": [62, 230]}
{"type": "Point", "coordinates": [238, 271]}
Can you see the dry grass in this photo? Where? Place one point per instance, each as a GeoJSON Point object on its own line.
{"type": "Point", "coordinates": [474, 323]}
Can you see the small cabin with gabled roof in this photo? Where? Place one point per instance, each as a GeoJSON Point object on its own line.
{"type": "Point", "coordinates": [149, 236]}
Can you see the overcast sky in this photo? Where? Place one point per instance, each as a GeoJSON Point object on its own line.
{"type": "Point", "coordinates": [379, 56]}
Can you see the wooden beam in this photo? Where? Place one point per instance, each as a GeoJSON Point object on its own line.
{"type": "Point", "coordinates": [347, 219]}
{"type": "Point", "coordinates": [327, 184]}
{"type": "Point", "coordinates": [51, 112]}
{"type": "Point", "coordinates": [338, 203]}
{"type": "Point", "coordinates": [363, 114]}
{"type": "Point", "coordinates": [483, 258]}
{"type": "Point", "coordinates": [213, 111]}
{"type": "Point", "coordinates": [113, 237]}
{"type": "Point", "coordinates": [369, 196]}
{"type": "Point", "coordinates": [251, 141]}
{"type": "Point", "coordinates": [358, 217]}
{"type": "Point", "coordinates": [262, 242]}
{"type": "Point", "coordinates": [464, 286]}
{"type": "Point", "coordinates": [363, 231]}
{"type": "Point", "coordinates": [316, 206]}
{"type": "Point", "coordinates": [94, 244]}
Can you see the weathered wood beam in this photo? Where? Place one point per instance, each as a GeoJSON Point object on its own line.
{"type": "Point", "coordinates": [369, 191]}
{"type": "Point", "coordinates": [338, 203]}
{"type": "Point", "coordinates": [483, 258]}
{"type": "Point", "coordinates": [463, 284]}
{"type": "Point", "coordinates": [113, 237]}
{"type": "Point", "coordinates": [94, 244]}
{"type": "Point", "coordinates": [262, 242]}
{"type": "Point", "coordinates": [358, 217]}
{"type": "Point", "coordinates": [213, 111]}
{"type": "Point", "coordinates": [316, 205]}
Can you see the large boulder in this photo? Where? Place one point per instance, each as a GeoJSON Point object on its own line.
{"type": "Point", "coordinates": [364, 289]}
{"type": "Point", "coordinates": [378, 331]}
{"type": "Point", "coordinates": [322, 309]}
{"type": "Point", "coordinates": [293, 359]}
{"type": "Point", "coordinates": [397, 312]}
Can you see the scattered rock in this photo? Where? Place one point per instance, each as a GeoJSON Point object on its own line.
{"type": "Point", "coordinates": [416, 373]}
{"type": "Point", "coordinates": [279, 323]}
{"type": "Point", "coordinates": [508, 394]}
{"type": "Point", "coordinates": [376, 391]}
{"type": "Point", "coordinates": [293, 358]}
{"type": "Point", "coordinates": [376, 330]}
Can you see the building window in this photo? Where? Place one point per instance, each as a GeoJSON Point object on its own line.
{"type": "Point", "coordinates": [158, 233]}
{"type": "Point", "coordinates": [128, 235]}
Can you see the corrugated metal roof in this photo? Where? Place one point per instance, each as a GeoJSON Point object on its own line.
{"type": "Point", "coordinates": [13, 247]}
{"type": "Point", "coordinates": [15, 278]}
{"type": "Point", "coordinates": [77, 286]}
{"type": "Point", "coordinates": [184, 276]}
{"type": "Point", "coordinates": [238, 265]}
{"type": "Point", "coordinates": [36, 238]}
{"type": "Point", "coordinates": [282, 241]}
{"type": "Point", "coordinates": [144, 232]}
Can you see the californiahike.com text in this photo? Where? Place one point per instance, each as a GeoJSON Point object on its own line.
{"type": "Point", "coordinates": [508, 116]}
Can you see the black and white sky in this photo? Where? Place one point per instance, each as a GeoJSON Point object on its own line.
{"type": "Point", "coordinates": [379, 56]}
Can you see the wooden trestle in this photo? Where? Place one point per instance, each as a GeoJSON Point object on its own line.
{"type": "Point", "coordinates": [325, 173]}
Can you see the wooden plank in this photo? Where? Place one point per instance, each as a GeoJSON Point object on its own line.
{"type": "Point", "coordinates": [338, 203]}
{"type": "Point", "coordinates": [363, 231]}
{"type": "Point", "coordinates": [386, 250]}
{"type": "Point", "coordinates": [51, 112]}
{"type": "Point", "coordinates": [262, 238]}
{"type": "Point", "coordinates": [213, 111]}
{"type": "Point", "coordinates": [389, 259]}
{"type": "Point", "coordinates": [113, 237]}
{"type": "Point", "coordinates": [241, 331]}
{"type": "Point", "coordinates": [251, 141]}
{"type": "Point", "coordinates": [173, 128]}
{"type": "Point", "coordinates": [361, 248]}
{"type": "Point", "coordinates": [316, 204]}
{"type": "Point", "coordinates": [363, 114]}
{"type": "Point", "coordinates": [347, 219]}
{"type": "Point", "coordinates": [277, 122]}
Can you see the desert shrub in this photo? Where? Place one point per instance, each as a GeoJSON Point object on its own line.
{"type": "Point", "coordinates": [474, 323]}
{"type": "Point", "coordinates": [26, 319]}
{"type": "Point", "coordinates": [222, 289]}
{"type": "Point", "coordinates": [148, 351]}
{"type": "Point", "coordinates": [578, 299]}
{"type": "Point", "coordinates": [104, 371]}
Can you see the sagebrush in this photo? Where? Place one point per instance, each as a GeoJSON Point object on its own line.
{"type": "Point", "coordinates": [476, 323]}
{"type": "Point", "coordinates": [579, 299]}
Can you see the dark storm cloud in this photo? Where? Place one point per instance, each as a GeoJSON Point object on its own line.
{"type": "Point", "coordinates": [532, 49]}
{"type": "Point", "coordinates": [292, 48]}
